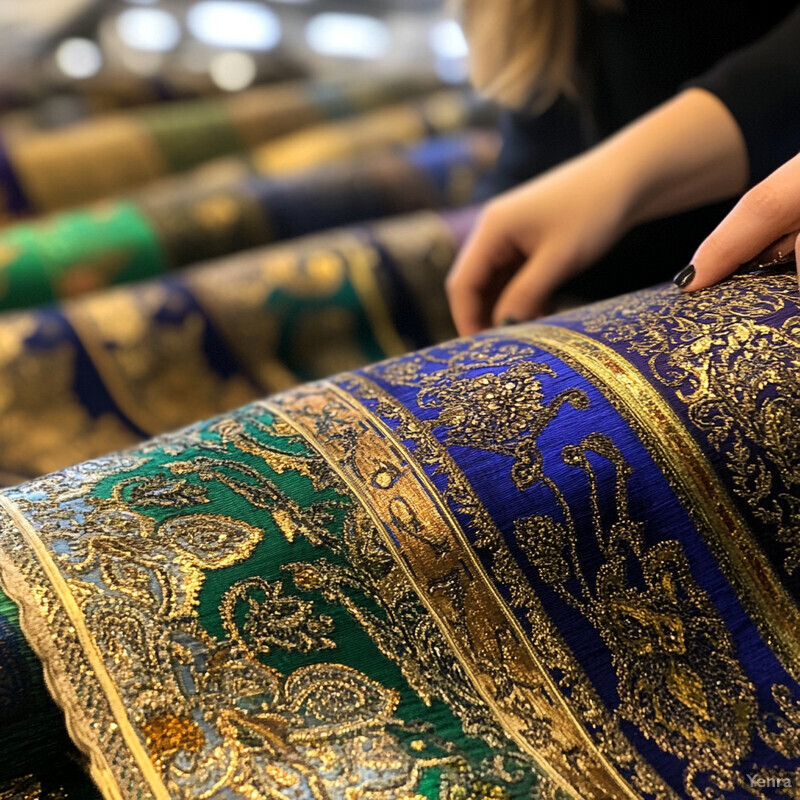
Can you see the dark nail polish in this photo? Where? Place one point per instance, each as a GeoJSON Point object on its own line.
{"type": "Point", "coordinates": [684, 277]}
{"type": "Point", "coordinates": [510, 321]}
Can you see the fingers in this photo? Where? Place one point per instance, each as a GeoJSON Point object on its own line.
{"type": "Point", "coordinates": [481, 270]}
{"type": "Point", "coordinates": [766, 213]}
{"type": "Point", "coordinates": [527, 294]}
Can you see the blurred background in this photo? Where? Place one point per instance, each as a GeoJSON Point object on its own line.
{"type": "Point", "coordinates": [203, 202]}
{"type": "Point", "coordinates": [72, 56]}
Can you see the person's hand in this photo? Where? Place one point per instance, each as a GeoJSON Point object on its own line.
{"type": "Point", "coordinates": [763, 225]}
{"type": "Point", "coordinates": [686, 153]}
{"type": "Point", "coordinates": [530, 240]}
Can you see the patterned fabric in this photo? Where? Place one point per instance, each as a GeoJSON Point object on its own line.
{"type": "Point", "coordinates": [39, 762]}
{"type": "Point", "coordinates": [208, 216]}
{"type": "Point", "coordinates": [110, 368]}
{"type": "Point", "coordinates": [553, 560]}
{"type": "Point", "coordinates": [47, 171]}
{"type": "Point", "coordinates": [439, 113]}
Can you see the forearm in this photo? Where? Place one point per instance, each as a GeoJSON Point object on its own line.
{"type": "Point", "coordinates": [686, 153]}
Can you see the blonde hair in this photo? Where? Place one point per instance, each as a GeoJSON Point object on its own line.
{"type": "Point", "coordinates": [523, 51]}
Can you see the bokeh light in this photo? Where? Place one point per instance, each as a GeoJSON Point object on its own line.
{"type": "Point", "coordinates": [233, 71]}
{"type": "Point", "coordinates": [243, 25]}
{"type": "Point", "coordinates": [348, 35]}
{"type": "Point", "coordinates": [150, 29]}
{"type": "Point", "coordinates": [79, 58]}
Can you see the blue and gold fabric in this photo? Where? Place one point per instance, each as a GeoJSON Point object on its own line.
{"type": "Point", "coordinates": [170, 226]}
{"type": "Point", "coordinates": [111, 368]}
{"type": "Point", "coordinates": [51, 170]}
{"type": "Point", "coordinates": [553, 560]}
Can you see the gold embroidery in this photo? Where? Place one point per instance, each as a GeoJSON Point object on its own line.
{"type": "Point", "coordinates": [90, 274]}
{"type": "Point", "coordinates": [95, 159]}
{"type": "Point", "coordinates": [678, 676]}
{"type": "Point", "coordinates": [25, 788]}
{"type": "Point", "coordinates": [453, 400]}
{"type": "Point", "coordinates": [394, 125]}
{"type": "Point", "coordinates": [166, 735]}
{"type": "Point", "coordinates": [156, 372]}
{"type": "Point", "coordinates": [200, 217]}
{"type": "Point", "coordinates": [701, 492]}
{"type": "Point", "coordinates": [545, 639]}
{"type": "Point", "coordinates": [156, 490]}
{"type": "Point", "coordinates": [40, 591]}
{"type": "Point", "coordinates": [736, 374]}
{"type": "Point", "coordinates": [43, 424]}
{"type": "Point", "coordinates": [274, 619]}
{"type": "Point", "coordinates": [476, 622]}
{"type": "Point", "coordinates": [209, 714]}
{"type": "Point", "coordinates": [311, 274]}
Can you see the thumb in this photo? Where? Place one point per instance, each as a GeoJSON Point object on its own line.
{"type": "Point", "coordinates": [526, 295]}
{"type": "Point", "coordinates": [765, 213]}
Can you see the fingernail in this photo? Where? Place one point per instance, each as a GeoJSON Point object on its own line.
{"type": "Point", "coordinates": [684, 277]}
{"type": "Point", "coordinates": [509, 320]}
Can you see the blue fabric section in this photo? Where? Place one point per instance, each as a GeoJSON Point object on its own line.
{"type": "Point", "coordinates": [405, 313]}
{"type": "Point", "coordinates": [705, 329]}
{"type": "Point", "coordinates": [10, 187]}
{"type": "Point", "coordinates": [339, 195]}
{"type": "Point", "coordinates": [298, 206]}
{"type": "Point", "coordinates": [654, 507]}
{"type": "Point", "coordinates": [52, 333]}
{"type": "Point", "coordinates": [438, 157]}
{"type": "Point", "coordinates": [178, 305]}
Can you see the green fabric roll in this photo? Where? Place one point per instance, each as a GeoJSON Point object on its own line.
{"type": "Point", "coordinates": [190, 134]}
{"type": "Point", "coordinates": [78, 252]}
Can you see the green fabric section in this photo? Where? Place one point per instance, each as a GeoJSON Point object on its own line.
{"type": "Point", "coordinates": [77, 252]}
{"type": "Point", "coordinates": [36, 750]}
{"type": "Point", "coordinates": [190, 135]}
{"type": "Point", "coordinates": [296, 312]}
{"type": "Point", "coordinates": [232, 482]}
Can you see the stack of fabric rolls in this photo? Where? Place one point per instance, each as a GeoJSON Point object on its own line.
{"type": "Point", "coordinates": [50, 170]}
{"type": "Point", "coordinates": [109, 367]}
{"type": "Point", "coordinates": [556, 560]}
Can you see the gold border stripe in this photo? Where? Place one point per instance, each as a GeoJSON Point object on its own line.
{"type": "Point", "coordinates": [89, 648]}
{"type": "Point", "coordinates": [694, 480]}
{"type": "Point", "coordinates": [361, 264]}
{"type": "Point", "coordinates": [496, 635]}
{"type": "Point", "coordinates": [37, 634]}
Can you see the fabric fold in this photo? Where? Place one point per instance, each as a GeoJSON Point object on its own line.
{"type": "Point", "coordinates": [517, 565]}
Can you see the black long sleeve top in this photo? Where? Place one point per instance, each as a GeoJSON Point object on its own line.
{"type": "Point", "coordinates": [745, 52]}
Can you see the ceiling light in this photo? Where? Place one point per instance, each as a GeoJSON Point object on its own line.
{"type": "Point", "coordinates": [348, 35]}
